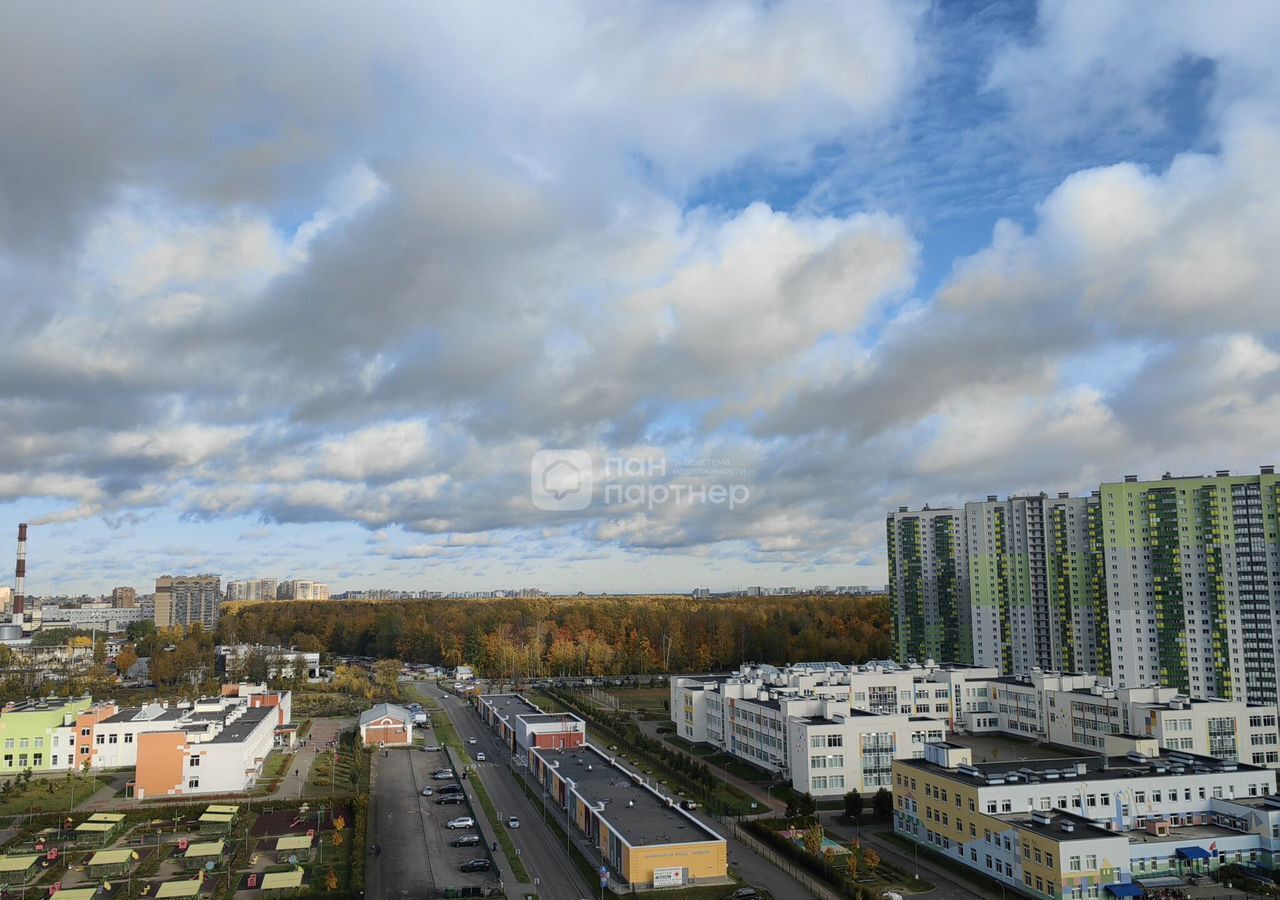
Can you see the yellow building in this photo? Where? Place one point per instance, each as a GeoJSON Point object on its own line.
{"type": "Point", "coordinates": [644, 838]}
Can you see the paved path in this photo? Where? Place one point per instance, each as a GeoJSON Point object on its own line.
{"type": "Point", "coordinates": [323, 731]}
{"type": "Point", "coordinates": [761, 795]}
{"type": "Point", "coordinates": [950, 883]}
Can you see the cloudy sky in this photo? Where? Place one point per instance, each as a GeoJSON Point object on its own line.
{"type": "Point", "coordinates": [299, 289]}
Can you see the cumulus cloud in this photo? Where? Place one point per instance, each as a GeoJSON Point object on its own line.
{"type": "Point", "coordinates": [361, 276]}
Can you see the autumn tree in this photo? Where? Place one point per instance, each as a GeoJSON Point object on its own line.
{"type": "Point", "coordinates": [871, 858]}
{"type": "Point", "coordinates": [812, 838]}
{"type": "Point", "coordinates": [126, 659]}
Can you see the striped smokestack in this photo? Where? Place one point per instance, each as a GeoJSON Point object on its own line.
{"type": "Point", "coordinates": [20, 572]}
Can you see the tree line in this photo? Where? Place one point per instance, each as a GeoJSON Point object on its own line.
{"type": "Point", "coordinates": [576, 635]}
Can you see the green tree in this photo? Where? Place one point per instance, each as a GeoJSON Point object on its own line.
{"type": "Point", "coordinates": [882, 803]}
{"type": "Point", "coordinates": [806, 806]}
{"type": "Point", "coordinates": [853, 804]}
{"type": "Point", "coordinates": [100, 651]}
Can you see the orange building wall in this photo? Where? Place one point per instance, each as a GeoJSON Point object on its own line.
{"type": "Point", "coordinates": [90, 719]}
{"type": "Point", "coordinates": [561, 739]}
{"type": "Point", "coordinates": [161, 758]}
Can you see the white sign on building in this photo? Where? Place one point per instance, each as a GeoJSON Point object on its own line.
{"type": "Point", "coordinates": [663, 878]}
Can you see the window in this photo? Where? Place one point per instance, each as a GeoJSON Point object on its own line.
{"type": "Point", "coordinates": [101, 739]}
{"type": "Point", "coordinates": [195, 760]}
{"type": "Point", "coordinates": [24, 743]}
{"type": "Point", "coordinates": [39, 743]}
{"type": "Point", "coordinates": [113, 738]}
{"type": "Point", "coordinates": [193, 782]}
{"type": "Point", "coordinates": [128, 737]}
{"type": "Point", "coordinates": [1074, 864]}
{"type": "Point", "coordinates": [8, 743]}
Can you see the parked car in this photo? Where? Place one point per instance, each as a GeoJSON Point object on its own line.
{"type": "Point", "coordinates": [450, 789]}
{"type": "Point", "coordinates": [461, 822]}
{"type": "Point", "coordinates": [427, 792]}
{"type": "Point", "coordinates": [477, 865]}
{"type": "Point", "coordinates": [449, 800]}
{"type": "Point", "coordinates": [513, 822]}
{"type": "Point", "coordinates": [480, 757]}
{"type": "Point", "coordinates": [431, 748]}
{"type": "Point", "coordinates": [442, 774]}
{"type": "Point", "coordinates": [465, 840]}
{"type": "Point", "coordinates": [471, 740]}
{"type": "Point", "coordinates": [688, 804]}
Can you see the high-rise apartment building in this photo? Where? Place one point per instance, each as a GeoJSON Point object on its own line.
{"type": "Point", "coordinates": [253, 589]}
{"type": "Point", "coordinates": [124, 598]}
{"type": "Point", "coordinates": [299, 589]}
{"type": "Point", "coordinates": [1193, 583]}
{"type": "Point", "coordinates": [1174, 581]}
{"type": "Point", "coordinates": [1035, 585]}
{"type": "Point", "coordinates": [188, 599]}
{"type": "Point", "coordinates": [929, 584]}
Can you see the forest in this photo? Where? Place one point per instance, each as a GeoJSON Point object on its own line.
{"type": "Point", "coordinates": [576, 635]}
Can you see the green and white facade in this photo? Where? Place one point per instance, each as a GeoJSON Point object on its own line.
{"type": "Point", "coordinates": [929, 585]}
{"type": "Point", "coordinates": [1173, 581]}
{"type": "Point", "coordinates": [35, 734]}
{"type": "Point", "coordinates": [1193, 583]}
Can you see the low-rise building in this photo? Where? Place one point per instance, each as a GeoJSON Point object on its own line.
{"type": "Point", "coordinates": [646, 839]}
{"type": "Point", "coordinates": [1089, 826]}
{"type": "Point", "coordinates": [520, 724]}
{"type": "Point", "coordinates": [39, 734]}
{"type": "Point", "coordinates": [386, 725]}
{"type": "Point", "coordinates": [280, 662]}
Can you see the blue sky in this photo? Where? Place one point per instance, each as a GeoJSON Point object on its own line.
{"type": "Point", "coordinates": [302, 295]}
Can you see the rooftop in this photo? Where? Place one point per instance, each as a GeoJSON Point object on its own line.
{"type": "Point", "coordinates": [242, 727]}
{"type": "Point", "coordinates": [549, 718]}
{"type": "Point", "coordinates": [509, 704]}
{"type": "Point", "coordinates": [639, 814]}
{"type": "Point", "coordinates": [1060, 825]}
{"type": "Point", "coordinates": [1094, 768]}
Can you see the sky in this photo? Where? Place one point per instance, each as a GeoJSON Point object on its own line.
{"type": "Point", "coordinates": [304, 289]}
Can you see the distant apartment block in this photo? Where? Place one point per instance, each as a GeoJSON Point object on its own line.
{"type": "Point", "coordinates": [1174, 581]}
{"type": "Point", "coordinates": [253, 589]}
{"type": "Point", "coordinates": [299, 589]}
{"type": "Point", "coordinates": [929, 584]}
{"type": "Point", "coordinates": [124, 597]}
{"type": "Point", "coordinates": [280, 662]}
{"type": "Point", "coordinates": [99, 616]}
{"type": "Point", "coordinates": [187, 600]}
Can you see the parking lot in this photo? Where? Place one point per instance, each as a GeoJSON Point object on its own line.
{"type": "Point", "coordinates": [417, 859]}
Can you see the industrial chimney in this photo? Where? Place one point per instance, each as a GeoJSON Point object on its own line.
{"type": "Point", "coordinates": [20, 573]}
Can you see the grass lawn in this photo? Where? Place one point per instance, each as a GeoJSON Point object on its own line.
{"type": "Point", "coordinates": [695, 749]}
{"type": "Point", "coordinates": [651, 699]}
{"type": "Point", "coordinates": [745, 771]}
{"type": "Point", "coordinates": [50, 794]}
{"type": "Point", "coordinates": [332, 777]}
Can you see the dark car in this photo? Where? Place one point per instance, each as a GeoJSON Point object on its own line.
{"type": "Point", "coordinates": [450, 789]}
{"type": "Point", "coordinates": [743, 893]}
{"type": "Point", "coordinates": [477, 865]}
{"type": "Point", "coordinates": [466, 840]}
{"type": "Point", "coordinates": [449, 800]}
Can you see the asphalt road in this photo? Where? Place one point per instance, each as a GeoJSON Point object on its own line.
{"type": "Point", "coordinates": [541, 852]}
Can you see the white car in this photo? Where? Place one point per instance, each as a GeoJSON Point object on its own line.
{"type": "Point", "coordinates": [480, 756]}
{"type": "Point", "coordinates": [462, 822]}
{"type": "Point", "coordinates": [513, 822]}
{"type": "Point", "coordinates": [471, 740]}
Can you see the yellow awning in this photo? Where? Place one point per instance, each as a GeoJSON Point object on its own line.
{"type": "Point", "coordinates": [199, 851]}
{"type": "Point", "coordinates": [281, 880]}
{"type": "Point", "coordinates": [110, 857]}
{"type": "Point", "coordinates": [17, 863]}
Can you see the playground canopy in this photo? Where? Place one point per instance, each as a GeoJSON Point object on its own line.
{"type": "Point", "coordinates": [17, 863]}
{"type": "Point", "coordinates": [200, 851]}
{"type": "Point", "coordinates": [95, 827]}
{"type": "Point", "coordinates": [111, 857]}
{"type": "Point", "coordinates": [212, 818]}
{"type": "Point", "coordinates": [184, 887]}
{"type": "Point", "coordinates": [77, 893]}
{"type": "Point", "coordinates": [112, 818]}
{"type": "Point", "coordinates": [223, 808]}
{"type": "Point", "coordinates": [282, 880]}
{"type": "Point", "coordinates": [293, 842]}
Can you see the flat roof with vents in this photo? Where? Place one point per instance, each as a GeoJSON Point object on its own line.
{"type": "Point", "coordinates": [638, 814]}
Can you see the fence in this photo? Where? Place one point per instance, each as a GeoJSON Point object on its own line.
{"type": "Point", "coordinates": [812, 886]}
